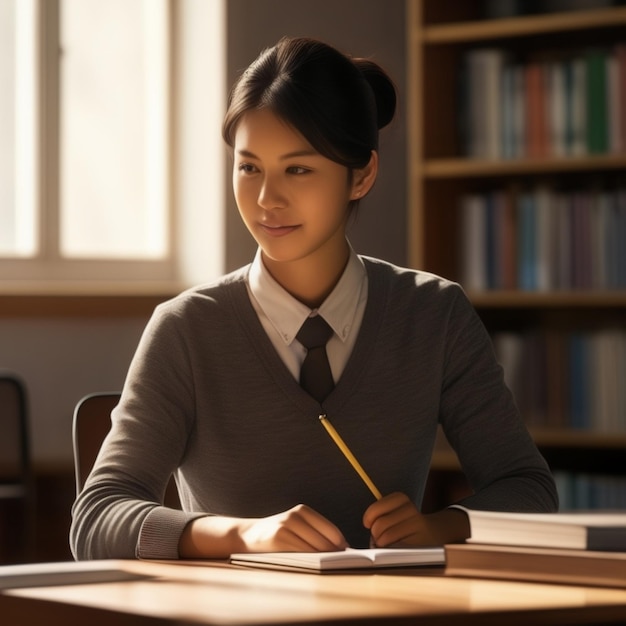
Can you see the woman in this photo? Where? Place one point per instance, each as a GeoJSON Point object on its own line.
{"type": "Point", "coordinates": [213, 392]}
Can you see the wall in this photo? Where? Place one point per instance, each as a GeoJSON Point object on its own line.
{"type": "Point", "coordinates": [61, 360]}
{"type": "Point", "coordinates": [367, 28]}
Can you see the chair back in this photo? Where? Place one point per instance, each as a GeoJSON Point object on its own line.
{"type": "Point", "coordinates": [90, 425]}
{"type": "Point", "coordinates": [17, 492]}
{"type": "Point", "coordinates": [14, 442]}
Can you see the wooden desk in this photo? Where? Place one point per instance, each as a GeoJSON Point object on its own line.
{"type": "Point", "coordinates": [221, 594]}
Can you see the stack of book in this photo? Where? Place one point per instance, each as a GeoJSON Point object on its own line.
{"type": "Point", "coordinates": [585, 548]}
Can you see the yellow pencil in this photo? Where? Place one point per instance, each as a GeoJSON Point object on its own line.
{"type": "Point", "coordinates": [348, 454]}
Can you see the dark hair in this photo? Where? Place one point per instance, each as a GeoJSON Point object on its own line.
{"type": "Point", "coordinates": [338, 103]}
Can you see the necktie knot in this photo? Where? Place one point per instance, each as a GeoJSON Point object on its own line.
{"type": "Point", "coordinates": [314, 333]}
{"type": "Point", "coordinates": [315, 375]}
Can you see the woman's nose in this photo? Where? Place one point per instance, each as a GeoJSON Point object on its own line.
{"type": "Point", "coordinates": [270, 194]}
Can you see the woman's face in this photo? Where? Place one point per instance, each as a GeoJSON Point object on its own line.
{"type": "Point", "coordinates": [293, 200]}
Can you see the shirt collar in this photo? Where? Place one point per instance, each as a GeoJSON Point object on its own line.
{"type": "Point", "coordinates": [287, 314]}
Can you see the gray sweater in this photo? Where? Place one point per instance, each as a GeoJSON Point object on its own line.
{"type": "Point", "coordinates": [208, 399]}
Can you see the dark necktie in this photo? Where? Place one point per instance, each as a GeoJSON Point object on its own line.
{"type": "Point", "coordinates": [315, 375]}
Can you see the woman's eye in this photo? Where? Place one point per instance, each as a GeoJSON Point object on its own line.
{"type": "Point", "coordinates": [246, 168]}
{"type": "Point", "coordinates": [296, 169]}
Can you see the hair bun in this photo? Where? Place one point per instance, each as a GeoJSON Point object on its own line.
{"type": "Point", "coordinates": [383, 88]}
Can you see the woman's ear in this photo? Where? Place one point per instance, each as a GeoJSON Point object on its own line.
{"type": "Point", "coordinates": [363, 179]}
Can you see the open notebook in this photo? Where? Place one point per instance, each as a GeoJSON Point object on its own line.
{"type": "Point", "coordinates": [347, 559]}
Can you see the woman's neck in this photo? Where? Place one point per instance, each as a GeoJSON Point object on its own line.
{"type": "Point", "coordinates": [310, 280]}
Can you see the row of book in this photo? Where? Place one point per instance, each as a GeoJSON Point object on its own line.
{"type": "Point", "coordinates": [567, 380]}
{"type": "Point", "coordinates": [569, 106]}
{"type": "Point", "coordinates": [578, 491]}
{"type": "Point", "coordinates": [543, 239]}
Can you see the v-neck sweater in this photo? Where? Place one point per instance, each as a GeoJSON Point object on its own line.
{"type": "Point", "coordinates": [208, 399]}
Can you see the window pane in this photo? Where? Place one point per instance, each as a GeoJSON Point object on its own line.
{"type": "Point", "coordinates": [114, 191]}
{"type": "Point", "coordinates": [18, 129]}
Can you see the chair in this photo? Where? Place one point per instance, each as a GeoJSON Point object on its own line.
{"type": "Point", "coordinates": [90, 425]}
{"type": "Point", "coordinates": [17, 493]}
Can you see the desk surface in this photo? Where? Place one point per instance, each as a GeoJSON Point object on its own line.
{"type": "Point", "coordinates": [219, 594]}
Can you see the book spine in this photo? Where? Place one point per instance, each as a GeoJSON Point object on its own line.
{"type": "Point", "coordinates": [597, 107]}
{"type": "Point", "coordinates": [481, 117]}
{"type": "Point", "coordinates": [543, 235]}
{"type": "Point", "coordinates": [620, 55]}
{"type": "Point", "coordinates": [556, 105]}
{"type": "Point", "coordinates": [492, 241]}
{"type": "Point", "coordinates": [619, 236]}
{"type": "Point", "coordinates": [508, 139]}
{"type": "Point", "coordinates": [526, 243]}
{"type": "Point", "coordinates": [473, 220]}
{"type": "Point", "coordinates": [614, 104]}
{"type": "Point", "coordinates": [578, 104]}
{"type": "Point", "coordinates": [536, 130]}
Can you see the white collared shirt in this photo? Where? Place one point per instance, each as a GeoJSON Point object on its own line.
{"type": "Point", "coordinates": [282, 315]}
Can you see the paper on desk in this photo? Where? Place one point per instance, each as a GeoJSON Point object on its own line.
{"type": "Point", "coordinates": [65, 573]}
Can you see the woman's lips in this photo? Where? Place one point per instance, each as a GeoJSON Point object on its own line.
{"type": "Point", "coordinates": [278, 231]}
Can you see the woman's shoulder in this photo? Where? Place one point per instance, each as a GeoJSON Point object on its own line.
{"type": "Point", "coordinates": [224, 292]}
{"type": "Point", "coordinates": [397, 276]}
{"type": "Point", "coordinates": [408, 291]}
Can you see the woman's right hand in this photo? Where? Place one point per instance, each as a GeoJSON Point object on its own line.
{"type": "Point", "coordinates": [299, 529]}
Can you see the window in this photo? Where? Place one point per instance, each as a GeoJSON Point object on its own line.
{"type": "Point", "coordinates": [114, 129]}
{"type": "Point", "coordinates": [18, 128]}
{"type": "Point", "coordinates": [94, 126]}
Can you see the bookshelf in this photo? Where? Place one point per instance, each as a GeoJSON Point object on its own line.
{"type": "Point", "coordinates": [444, 169]}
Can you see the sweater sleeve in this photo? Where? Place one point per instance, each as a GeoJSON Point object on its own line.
{"type": "Point", "coordinates": [119, 513]}
{"type": "Point", "coordinates": [482, 423]}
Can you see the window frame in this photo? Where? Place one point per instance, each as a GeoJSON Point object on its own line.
{"type": "Point", "coordinates": [48, 273]}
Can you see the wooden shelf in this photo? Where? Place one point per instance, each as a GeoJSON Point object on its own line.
{"type": "Point", "coordinates": [523, 26]}
{"type": "Point", "coordinates": [579, 439]}
{"type": "Point", "coordinates": [468, 168]}
{"type": "Point", "coordinates": [552, 299]}
{"type": "Point", "coordinates": [574, 446]}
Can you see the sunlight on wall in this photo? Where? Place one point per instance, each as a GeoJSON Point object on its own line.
{"type": "Point", "coordinates": [200, 152]}
{"type": "Point", "coordinates": [18, 127]}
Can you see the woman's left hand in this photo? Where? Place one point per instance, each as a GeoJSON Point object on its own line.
{"type": "Point", "coordinates": [394, 521]}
